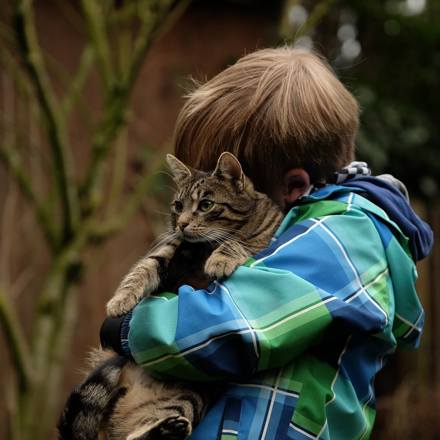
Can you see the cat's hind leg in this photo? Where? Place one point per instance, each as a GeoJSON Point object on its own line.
{"type": "Point", "coordinates": [176, 415]}
{"type": "Point", "coordinates": [172, 428]}
{"type": "Point", "coordinates": [153, 410]}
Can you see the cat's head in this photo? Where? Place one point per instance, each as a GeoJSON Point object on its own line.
{"type": "Point", "coordinates": [211, 206]}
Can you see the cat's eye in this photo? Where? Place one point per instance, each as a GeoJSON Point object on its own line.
{"type": "Point", "coordinates": [205, 205]}
{"type": "Point", "coordinates": [178, 206]}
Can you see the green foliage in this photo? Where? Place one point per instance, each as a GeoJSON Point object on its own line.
{"type": "Point", "coordinates": [388, 53]}
{"type": "Point", "coordinates": [397, 76]}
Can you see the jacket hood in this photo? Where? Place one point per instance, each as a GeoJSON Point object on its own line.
{"type": "Point", "coordinates": [390, 195]}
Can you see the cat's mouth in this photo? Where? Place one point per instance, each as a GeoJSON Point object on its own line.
{"type": "Point", "coordinates": [193, 237]}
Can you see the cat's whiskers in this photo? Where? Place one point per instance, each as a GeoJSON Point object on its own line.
{"type": "Point", "coordinates": [214, 235]}
{"type": "Point", "coordinates": [220, 237]}
{"type": "Point", "coordinates": [162, 239]}
{"type": "Point", "coordinates": [210, 237]}
{"type": "Point", "coordinates": [227, 235]}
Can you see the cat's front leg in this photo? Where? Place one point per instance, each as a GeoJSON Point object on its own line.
{"type": "Point", "coordinates": [143, 279]}
{"type": "Point", "coordinates": [225, 259]}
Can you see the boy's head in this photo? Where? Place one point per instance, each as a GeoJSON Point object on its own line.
{"type": "Point", "coordinates": [276, 110]}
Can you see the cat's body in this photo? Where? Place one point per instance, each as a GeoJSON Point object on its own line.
{"type": "Point", "coordinates": [220, 209]}
{"type": "Point", "coordinates": [218, 222]}
{"type": "Point", "coordinates": [119, 400]}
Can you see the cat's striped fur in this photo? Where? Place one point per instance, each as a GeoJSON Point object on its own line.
{"type": "Point", "coordinates": [239, 222]}
{"type": "Point", "coordinates": [118, 400]}
{"type": "Point", "coordinates": [95, 397]}
{"type": "Point", "coordinates": [218, 221]}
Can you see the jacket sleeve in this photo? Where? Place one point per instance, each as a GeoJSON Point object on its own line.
{"type": "Point", "coordinates": [271, 309]}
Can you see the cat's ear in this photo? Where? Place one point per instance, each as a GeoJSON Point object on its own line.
{"type": "Point", "coordinates": [229, 167]}
{"type": "Point", "coordinates": [179, 169]}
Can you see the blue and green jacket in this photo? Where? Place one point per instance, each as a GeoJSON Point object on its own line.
{"type": "Point", "coordinates": [298, 333]}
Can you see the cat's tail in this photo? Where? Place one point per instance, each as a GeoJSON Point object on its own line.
{"type": "Point", "coordinates": [91, 402]}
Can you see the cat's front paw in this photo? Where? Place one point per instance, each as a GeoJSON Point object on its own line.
{"type": "Point", "coordinates": [140, 282]}
{"type": "Point", "coordinates": [121, 303]}
{"type": "Point", "coordinates": [220, 266]}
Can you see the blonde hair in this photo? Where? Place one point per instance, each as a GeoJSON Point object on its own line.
{"type": "Point", "coordinates": [275, 109]}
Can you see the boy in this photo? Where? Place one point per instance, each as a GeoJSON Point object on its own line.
{"type": "Point", "coordinates": [298, 333]}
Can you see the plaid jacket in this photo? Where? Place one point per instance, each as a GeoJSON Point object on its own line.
{"type": "Point", "coordinates": [299, 332]}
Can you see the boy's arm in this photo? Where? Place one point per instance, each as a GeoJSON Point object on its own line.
{"type": "Point", "coordinates": [273, 308]}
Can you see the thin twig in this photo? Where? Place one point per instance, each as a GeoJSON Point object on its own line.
{"type": "Point", "coordinates": [131, 205]}
{"type": "Point", "coordinates": [6, 245]}
{"type": "Point", "coordinates": [288, 33]}
{"type": "Point", "coordinates": [316, 15]}
{"type": "Point", "coordinates": [96, 26]}
{"type": "Point", "coordinates": [118, 176]}
{"type": "Point", "coordinates": [79, 80]}
{"type": "Point", "coordinates": [152, 27]}
{"type": "Point", "coordinates": [11, 160]}
{"type": "Point", "coordinates": [285, 27]}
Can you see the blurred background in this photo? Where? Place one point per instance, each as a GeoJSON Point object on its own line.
{"type": "Point", "coordinates": [89, 93]}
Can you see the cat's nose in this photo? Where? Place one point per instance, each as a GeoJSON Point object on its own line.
{"type": "Point", "coordinates": [182, 225]}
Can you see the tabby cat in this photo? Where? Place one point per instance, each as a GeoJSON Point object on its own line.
{"type": "Point", "coordinates": [218, 220]}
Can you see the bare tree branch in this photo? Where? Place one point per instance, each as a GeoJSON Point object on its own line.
{"type": "Point", "coordinates": [11, 160]}
{"type": "Point", "coordinates": [63, 164]}
{"type": "Point", "coordinates": [65, 328]}
{"type": "Point", "coordinates": [286, 31]}
{"type": "Point", "coordinates": [78, 82]}
{"type": "Point", "coordinates": [317, 13]}
{"type": "Point", "coordinates": [151, 23]}
{"type": "Point", "coordinates": [51, 301]}
{"type": "Point", "coordinates": [94, 14]}
{"type": "Point", "coordinates": [131, 205]}
{"type": "Point", "coordinates": [15, 341]}
{"type": "Point", "coordinates": [289, 33]}
{"type": "Point", "coordinates": [118, 174]}
{"type": "Point", "coordinates": [53, 324]}
{"type": "Point", "coordinates": [115, 114]}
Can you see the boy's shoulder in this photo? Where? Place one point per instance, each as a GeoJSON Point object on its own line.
{"type": "Point", "coordinates": [330, 217]}
{"type": "Point", "coordinates": [357, 211]}
{"type": "Point", "coordinates": [333, 201]}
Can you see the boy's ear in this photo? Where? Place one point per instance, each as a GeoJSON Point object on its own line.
{"type": "Point", "coordinates": [179, 169]}
{"type": "Point", "coordinates": [296, 183]}
{"type": "Point", "coordinates": [229, 167]}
